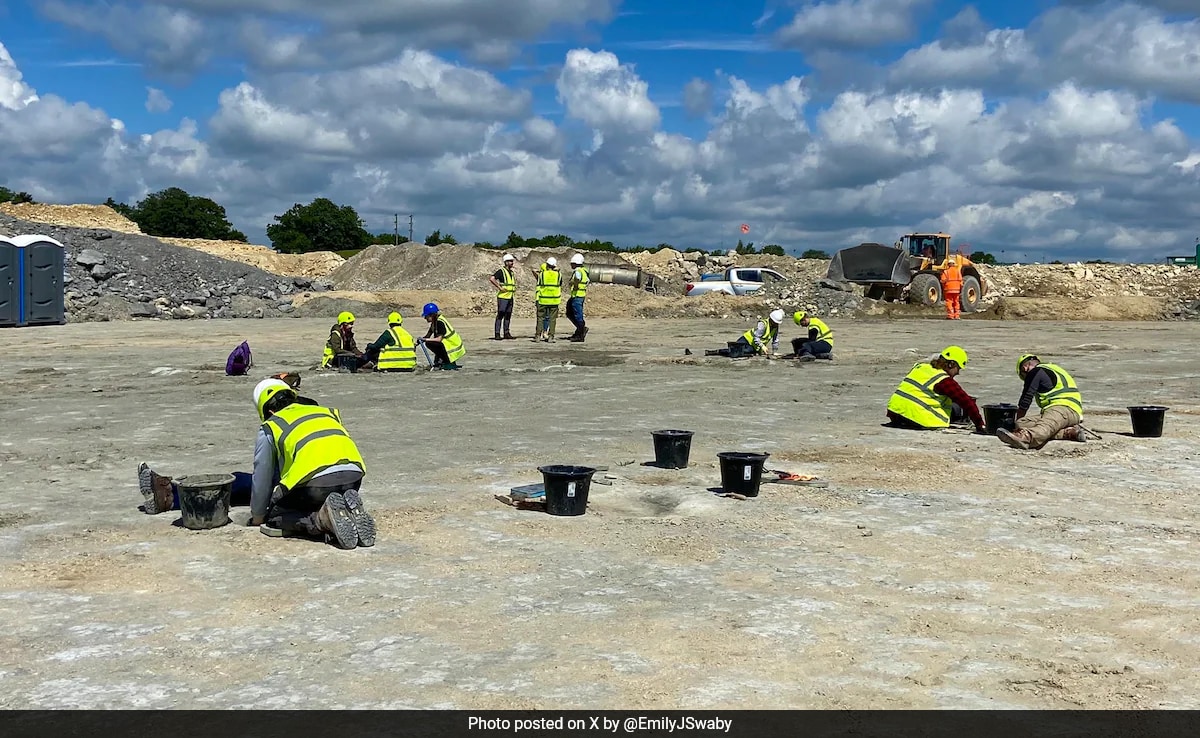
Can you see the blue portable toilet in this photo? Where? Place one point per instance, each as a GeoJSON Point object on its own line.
{"type": "Point", "coordinates": [41, 293]}
{"type": "Point", "coordinates": [10, 283]}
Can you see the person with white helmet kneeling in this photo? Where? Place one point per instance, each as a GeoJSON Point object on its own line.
{"type": "Point", "coordinates": [763, 338]}
{"type": "Point", "coordinates": [578, 292]}
{"type": "Point", "coordinates": [307, 472]}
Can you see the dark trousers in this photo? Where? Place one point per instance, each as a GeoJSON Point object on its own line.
{"type": "Point", "coordinates": [504, 311]}
{"type": "Point", "coordinates": [295, 511]}
{"type": "Point", "coordinates": [350, 361]}
{"type": "Point", "coordinates": [239, 496]}
{"type": "Point", "coordinates": [575, 313]}
{"type": "Point", "coordinates": [957, 415]}
{"type": "Point", "coordinates": [440, 355]}
{"type": "Point", "coordinates": [813, 348]}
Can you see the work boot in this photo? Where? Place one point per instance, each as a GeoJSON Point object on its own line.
{"type": "Point", "coordinates": [806, 357]}
{"type": "Point", "coordinates": [1021, 439]}
{"type": "Point", "coordinates": [158, 494]}
{"type": "Point", "coordinates": [583, 334]}
{"type": "Point", "coordinates": [1071, 433]}
{"type": "Point", "coordinates": [363, 522]}
{"type": "Point", "coordinates": [509, 337]}
{"type": "Point", "coordinates": [337, 523]}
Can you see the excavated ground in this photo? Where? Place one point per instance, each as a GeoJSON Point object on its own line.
{"type": "Point", "coordinates": [935, 570]}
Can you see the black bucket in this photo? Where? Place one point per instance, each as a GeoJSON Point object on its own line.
{"type": "Point", "coordinates": [567, 488]}
{"type": "Point", "coordinates": [741, 473]}
{"type": "Point", "coordinates": [672, 448]}
{"type": "Point", "coordinates": [1002, 415]}
{"type": "Point", "coordinates": [204, 500]}
{"type": "Point", "coordinates": [1147, 420]}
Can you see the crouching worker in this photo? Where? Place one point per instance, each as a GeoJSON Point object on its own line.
{"type": "Point", "coordinates": [307, 472]}
{"type": "Point", "coordinates": [818, 344]}
{"type": "Point", "coordinates": [1059, 398]}
{"type": "Point", "coordinates": [930, 398]}
{"type": "Point", "coordinates": [394, 350]}
{"type": "Point", "coordinates": [442, 339]}
{"type": "Point", "coordinates": [341, 350]}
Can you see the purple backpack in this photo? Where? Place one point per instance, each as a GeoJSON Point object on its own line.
{"type": "Point", "coordinates": [239, 361]}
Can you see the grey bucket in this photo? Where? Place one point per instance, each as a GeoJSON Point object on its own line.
{"type": "Point", "coordinates": [204, 500]}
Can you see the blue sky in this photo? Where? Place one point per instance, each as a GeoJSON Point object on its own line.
{"type": "Point", "coordinates": [1070, 156]}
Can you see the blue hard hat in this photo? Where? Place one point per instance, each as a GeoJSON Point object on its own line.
{"type": "Point", "coordinates": [430, 308]}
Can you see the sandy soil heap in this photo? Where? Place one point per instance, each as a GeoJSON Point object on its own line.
{"type": "Point", "coordinates": [76, 216]}
{"type": "Point", "coordinates": [316, 265]}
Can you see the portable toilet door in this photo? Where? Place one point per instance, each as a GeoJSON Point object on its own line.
{"type": "Point", "coordinates": [10, 284]}
{"type": "Point", "coordinates": [43, 295]}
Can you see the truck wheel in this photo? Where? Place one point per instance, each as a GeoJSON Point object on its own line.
{"type": "Point", "coordinates": [925, 289]}
{"type": "Point", "coordinates": [970, 295]}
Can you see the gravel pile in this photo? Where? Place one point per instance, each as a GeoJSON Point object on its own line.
{"type": "Point", "coordinates": [111, 275]}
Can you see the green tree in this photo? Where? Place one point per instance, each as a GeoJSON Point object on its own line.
{"type": "Point", "coordinates": [176, 214]}
{"type": "Point", "coordinates": [774, 249]}
{"type": "Point", "coordinates": [814, 254]}
{"type": "Point", "coordinates": [745, 248]}
{"type": "Point", "coordinates": [321, 225]}
{"type": "Point", "coordinates": [982, 257]}
{"type": "Point", "coordinates": [120, 207]}
{"type": "Point", "coordinates": [435, 238]}
{"type": "Point", "coordinates": [7, 195]}
{"type": "Point", "coordinates": [387, 239]}
{"type": "Point", "coordinates": [514, 241]}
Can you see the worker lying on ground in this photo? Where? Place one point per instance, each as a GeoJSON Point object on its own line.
{"type": "Point", "coordinates": [818, 344]}
{"type": "Point", "coordinates": [341, 350]}
{"type": "Point", "coordinates": [394, 350]}
{"type": "Point", "coordinates": [1059, 398]}
{"type": "Point", "coordinates": [307, 472]}
{"type": "Point", "coordinates": [930, 398]}
{"type": "Point", "coordinates": [442, 339]}
{"type": "Point", "coordinates": [160, 493]}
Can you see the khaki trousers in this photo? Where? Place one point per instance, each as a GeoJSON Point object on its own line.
{"type": "Point", "coordinates": [1048, 424]}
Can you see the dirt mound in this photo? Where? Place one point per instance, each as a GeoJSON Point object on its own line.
{"type": "Point", "coordinates": [75, 216]}
{"type": "Point", "coordinates": [316, 265]}
{"type": "Point", "coordinates": [1068, 308]}
{"type": "Point", "coordinates": [1083, 281]}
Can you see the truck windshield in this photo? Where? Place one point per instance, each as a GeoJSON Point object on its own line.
{"type": "Point", "coordinates": [932, 247]}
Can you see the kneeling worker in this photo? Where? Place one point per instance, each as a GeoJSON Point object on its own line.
{"type": "Point", "coordinates": [1059, 398]}
{"type": "Point", "coordinates": [764, 337]}
{"type": "Point", "coordinates": [394, 350]}
{"type": "Point", "coordinates": [819, 341]}
{"type": "Point", "coordinates": [442, 339]}
{"type": "Point", "coordinates": [307, 472]}
{"type": "Point", "coordinates": [930, 398]}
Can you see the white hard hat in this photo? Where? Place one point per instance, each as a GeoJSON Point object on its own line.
{"type": "Point", "coordinates": [267, 389]}
{"type": "Point", "coordinates": [508, 257]}
{"type": "Point", "coordinates": [551, 261]}
{"type": "Point", "coordinates": [577, 259]}
{"type": "Point", "coordinates": [776, 316]}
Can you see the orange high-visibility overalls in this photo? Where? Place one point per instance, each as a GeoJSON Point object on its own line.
{"type": "Point", "coordinates": [952, 290]}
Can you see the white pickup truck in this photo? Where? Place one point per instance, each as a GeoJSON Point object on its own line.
{"type": "Point", "coordinates": [734, 281]}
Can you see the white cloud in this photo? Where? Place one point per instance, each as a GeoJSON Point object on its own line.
{"type": "Point", "coordinates": [851, 23]}
{"type": "Point", "coordinates": [606, 94]}
{"type": "Point", "coordinates": [14, 93]}
{"type": "Point", "coordinates": [157, 100]}
{"type": "Point", "coordinates": [697, 97]}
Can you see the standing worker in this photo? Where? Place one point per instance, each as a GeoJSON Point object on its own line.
{"type": "Point", "coordinates": [442, 339]}
{"type": "Point", "coordinates": [578, 290]}
{"type": "Point", "coordinates": [505, 282]}
{"type": "Point", "coordinates": [341, 350]}
{"type": "Point", "coordinates": [819, 341]}
{"type": "Point", "coordinates": [394, 350]}
{"type": "Point", "coordinates": [1059, 398]}
{"type": "Point", "coordinates": [549, 295]}
{"type": "Point", "coordinates": [952, 282]}
{"type": "Point", "coordinates": [930, 397]}
{"type": "Point", "coordinates": [307, 472]}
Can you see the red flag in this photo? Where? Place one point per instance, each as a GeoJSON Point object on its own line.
{"type": "Point", "coordinates": [745, 228]}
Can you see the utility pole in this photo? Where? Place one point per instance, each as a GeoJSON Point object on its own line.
{"type": "Point", "coordinates": [410, 232]}
{"type": "Point", "coordinates": [396, 227]}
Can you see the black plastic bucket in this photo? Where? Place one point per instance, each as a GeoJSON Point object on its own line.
{"type": "Point", "coordinates": [741, 473]}
{"type": "Point", "coordinates": [1147, 420]}
{"type": "Point", "coordinates": [567, 488]}
{"type": "Point", "coordinates": [672, 448]}
{"type": "Point", "coordinates": [204, 500]}
{"type": "Point", "coordinates": [1001, 415]}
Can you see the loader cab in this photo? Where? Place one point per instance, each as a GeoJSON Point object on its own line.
{"type": "Point", "coordinates": [933, 246]}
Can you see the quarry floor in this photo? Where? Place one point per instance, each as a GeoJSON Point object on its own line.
{"type": "Point", "coordinates": [936, 570]}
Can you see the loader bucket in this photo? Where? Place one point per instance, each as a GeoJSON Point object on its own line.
{"type": "Point", "coordinates": [870, 262]}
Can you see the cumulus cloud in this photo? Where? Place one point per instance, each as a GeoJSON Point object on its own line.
{"type": "Point", "coordinates": [599, 90]}
{"type": "Point", "coordinates": [157, 100]}
{"type": "Point", "coordinates": [697, 97]}
{"type": "Point", "coordinates": [172, 41]}
{"type": "Point", "coordinates": [14, 93]}
{"type": "Point", "coordinates": [855, 24]}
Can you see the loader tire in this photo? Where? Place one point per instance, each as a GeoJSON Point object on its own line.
{"type": "Point", "coordinates": [970, 295]}
{"type": "Point", "coordinates": [925, 289]}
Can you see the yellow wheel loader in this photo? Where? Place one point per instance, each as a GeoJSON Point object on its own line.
{"type": "Point", "coordinates": [907, 270]}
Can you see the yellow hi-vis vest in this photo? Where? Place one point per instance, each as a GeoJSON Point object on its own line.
{"type": "Point", "coordinates": [327, 355]}
{"type": "Point", "coordinates": [823, 332]}
{"type": "Point", "coordinates": [768, 336]}
{"type": "Point", "coordinates": [508, 284]}
{"type": "Point", "coordinates": [453, 342]}
{"type": "Point", "coordinates": [580, 289]}
{"type": "Point", "coordinates": [309, 439]}
{"type": "Point", "coordinates": [549, 289]}
{"type": "Point", "coordinates": [915, 399]}
{"type": "Point", "coordinates": [1065, 392]}
{"type": "Point", "coordinates": [400, 354]}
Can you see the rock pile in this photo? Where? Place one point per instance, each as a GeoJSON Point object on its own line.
{"type": "Point", "coordinates": [75, 216]}
{"type": "Point", "coordinates": [111, 275]}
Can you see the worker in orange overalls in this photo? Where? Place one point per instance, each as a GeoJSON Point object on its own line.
{"type": "Point", "coordinates": [952, 282]}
